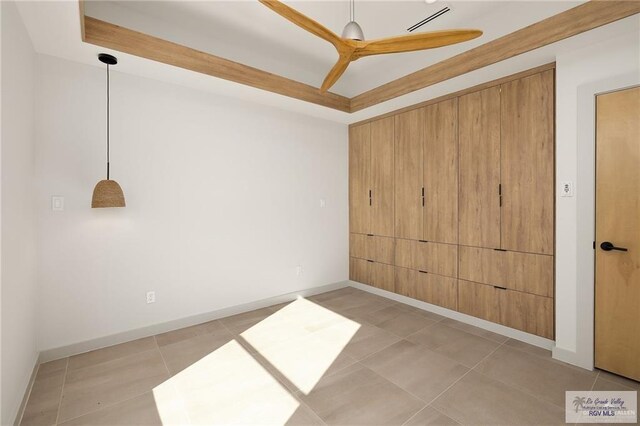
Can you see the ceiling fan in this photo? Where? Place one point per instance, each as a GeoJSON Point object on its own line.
{"type": "Point", "coordinates": [352, 45]}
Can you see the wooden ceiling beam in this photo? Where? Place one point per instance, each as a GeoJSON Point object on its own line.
{"type": "Point", "coordinates": [110, 36]}
{"type": "Point", "coordinates": [585, 17]}
{"type": "Point", "coordinates": [574, 21]}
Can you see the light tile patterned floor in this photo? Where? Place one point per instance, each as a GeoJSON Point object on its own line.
{"type": "Point", "coordinates": [346, 357]}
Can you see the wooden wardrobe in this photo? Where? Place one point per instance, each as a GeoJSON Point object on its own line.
{"type": "Point", "coordinates": [452, 202]}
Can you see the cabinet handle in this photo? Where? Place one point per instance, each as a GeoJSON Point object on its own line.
{"type": "Point", "coordinates": [423, 272]}
{"type": "Point", "coordinates": [500, 249]}
{"type": "Point", "coordinates": [369, 260]}
{"type": "Point", "coordinates": [500, 194]}
{"type": "Point", "coordinates": [423, 196]}
{"type": "Point", "coordinates": [423, 241]}
{"type": "Point", "coordinates": [369, 235]}
{"type": "Point", "coordinates": [499, 288]}
{"type": "Point", "coordinates": [370, 197]}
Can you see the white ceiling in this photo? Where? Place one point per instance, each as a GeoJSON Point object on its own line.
{"type": "Point", "coordinates": [250, 33]}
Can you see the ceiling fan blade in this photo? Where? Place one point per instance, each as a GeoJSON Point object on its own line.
{"type": "Point", "coordinates": [412, 42]}
{"type": "Point", "coordinates": [303, 21]}
{"type": "Point", "coordinates": [335, 73]}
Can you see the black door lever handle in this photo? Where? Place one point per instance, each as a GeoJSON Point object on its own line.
{"type": "Point", "coordinates": [607, 246]}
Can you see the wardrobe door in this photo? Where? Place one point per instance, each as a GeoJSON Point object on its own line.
{"type": "Point", "coordinates": [382, 177]}
{"type": "Point", "coordinates": [359, 178]}
{"type": "Point", "coordinates": [408, 174]}
{"type": "Point", "coordinates": [441, 172]}
{"type": "Point", "coordinates": [479, 138]}
{"type": "Point", "coordinates": [528, 164]}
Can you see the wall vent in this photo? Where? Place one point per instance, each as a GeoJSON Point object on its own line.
{"type": "Point", "coordinates": [430, 18]}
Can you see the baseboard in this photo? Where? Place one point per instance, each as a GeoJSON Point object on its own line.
{"type": "Point", "coordinates": [571, 357]}
{"type": "Point", "coordinates": [114, 339]}
{"type": "Point", "coordinates": [27, 392]}
{"type": "Point", "coordinates": [467, 319]}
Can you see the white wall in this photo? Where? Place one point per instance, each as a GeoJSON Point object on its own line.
{"type": "Point", "coordinates": [223, 202]}
{"type": "Point", "coordinates": [19, 292]}
{"type": "Point", "coordinates": [580, 74]}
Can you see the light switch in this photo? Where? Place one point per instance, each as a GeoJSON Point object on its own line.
{"type": "Point", "coordinates": [322, 202]}
{"type": "Point", "coordinates": [566, 189]}
{"type": "Point", "coordinates": [57, 203]}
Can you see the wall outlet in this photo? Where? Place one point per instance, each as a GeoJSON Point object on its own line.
{"type": "Point", "coordinates": [151, 297]}
{"type": "Point", "coordinates": [566, 189]}
{"type": "Point", "coordinates": [57, 203]}
{"type": "Point", "coordinates": [298, 270]}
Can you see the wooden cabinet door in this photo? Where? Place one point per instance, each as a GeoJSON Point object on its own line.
{"type": "Point", "coordinates": [382, 141]}
{"type": "Point", "coordinates": [437, 290]}
{"type": "Point", "coordinates": [479, 300]}
{"type": "Point", "coordinates": [359, 270]}
{"type": "Point", "coordinates": [441, 172]}
{"type": "Point", "coordinates": [528, 164]}
{"type": "Point", "coordinates": [479, 139]}
{"type": "Point", "coordinates": [359, 178]}
{"type": "Point", "coordinates": [408, 174]}
{"type": "Point", "coordinates": [382, 276]}
{"type": "Point", "coordinates": [405, 281]}
{"type": "Point", "coordinates": [527, 312]}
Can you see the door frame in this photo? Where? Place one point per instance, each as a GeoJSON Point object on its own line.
{"type": "Point", "coordinates": [575, 305]}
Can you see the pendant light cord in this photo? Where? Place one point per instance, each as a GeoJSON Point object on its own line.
{"type": "Point", "coordinates": [352, 10]}
{"type": "Point", "coordinates": [108, 121]}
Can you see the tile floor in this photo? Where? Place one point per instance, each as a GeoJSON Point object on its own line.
{"type": "Point", "coordinates": [346, 357]}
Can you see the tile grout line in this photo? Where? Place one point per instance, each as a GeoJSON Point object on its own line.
{"type": "Point", "coordinates": [30, 391]}
{"type": "Point", "coordinates": [184, 411]}
{"type": "Point", "coordinates": [415, 414]}
{"type": "Point", "coordinates": [464, 375]}
{"type": "Point", "coordinates": [292, 393]}
{"type": "Point", "coordinates": [595, 380]}
{"type": "Point", "coordinates": [115, 403]}
{"type": "Point", "coordinates": [523, 390]}
{"type": "Point", "coordinates": [164, 362]}
{"type": "Point", "coordinates": [64, 381]}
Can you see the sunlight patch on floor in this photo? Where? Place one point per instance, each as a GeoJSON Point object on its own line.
{"type": "Point", "coordinates": [228, 386]}
{"type": "Point", "coordinates": [302, 341]}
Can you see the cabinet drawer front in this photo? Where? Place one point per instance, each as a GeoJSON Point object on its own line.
{"type": "Point", "coordinates": [435, 258]}
{"type": "Point", "coordinates": [405, 282]}
{"type": "Point", "coordinates": [381, 249]}
{"type": "Point", "coordinates": [530, 273]}
{"type": "Point", "coordinates": [358, 245]}
{"type": "Point", "coordinates": [527, 312]}
{"type": "Point", "coordinates": [359, 270]}
{"type": "Point", "coordinates": [405, 253]}
{"type": "Point", "coordinates": [372, 247]}
{"type": "Point", "coordinates": [382, 276]}
{"type": "Point", "coordinates": [437, 290]}
{"type": "Point", "coordinates": [479, 300]}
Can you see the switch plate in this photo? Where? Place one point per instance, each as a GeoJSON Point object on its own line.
{"type": "Point", "coordinates": [57, 203]}
{"type": "Point", "coordinates": [322, 202]}
{"type": "Point", "coordinates": [298, 270]}
{"type": "Point", "coordinates": [566, 189]}
{"type": "Point", "coordinates": [151, 297]}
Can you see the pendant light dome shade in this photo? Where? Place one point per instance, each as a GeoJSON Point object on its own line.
{"type": "Point", "coordinates": [107, 192]}
{"type": "Point", "coordinates": [353, 31]}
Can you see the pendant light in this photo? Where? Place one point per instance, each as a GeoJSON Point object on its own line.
{"type": "Point", "coordinates": [352, 30]}
{"type": "Point", "coordinates": [107, 193]}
